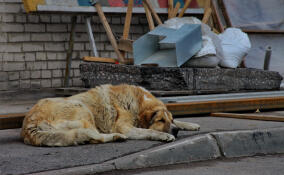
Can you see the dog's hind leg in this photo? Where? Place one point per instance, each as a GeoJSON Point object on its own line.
{"type": "Point", "coordinates": [186, 125]}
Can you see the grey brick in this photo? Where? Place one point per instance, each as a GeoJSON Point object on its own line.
{"type": "Point", "coordinates": [108, 47]}
{"type": "Point", "coordinates": [83, 54]}
{"type": "Point", "coordinates": [40, 56]}
{"type": "Point", "coordinates": [13, 84]}
{"type": "Point", "coordinates": [30, 56]}
{"type": "Point", "coordinates": [46, 74]}
{"type": "Point", "coordinates": [19, 57]}
{"type": "Point", "coordinates": [66, 19]}
{"type": "Point", "coordinates": [32, 18]}
{"type": "Point", "coordinates": [21, 18]}
{"type": "Point", "coordinates": [3, 85]}
{"type": "Point", "coordinates": [25, 75]}
{"type": "Point", "coordinates": [78, 46]}
{"type": "Point", "coordinates": [32, 47]}
{"type": "Point", "coordinates": [61, 56]}
{"type": "Point", "coordinates": [60, 37]}
{"type": "Point", "coordinates": [25, 84]}
{"type": "Point", "coordinates": [56, 64]}
{"type": "Point", "coordinates": [105, 54]}
{"type": "Point", "coordinates": [35, 74]}
{"type": "Point", "coordinates": [13, 76]}
{"type": "Point", "coordinates": [81, 37]}
{"type": "Point", "coordinates": [75, 64]}
{"type": "Point", "coordinates": [100, 46]}
{"type": "Point", "coordinates": [115, 20]}
{"type": "Point", "coordinates": [103, 37]}
{"type": "Point", "coordinates": [3, 37]}
{"type": "Point", "coordinates": [54, 47]}
{"type": "Point", "coordinates": [135, 19]}
{"type": "Point", "coordinates": [51, 56]}
{"type": "Point", "coordinates": [35, 83]}
{"type": "Point", "coordinates": [77, 82]}
{"type": "Point", "coordinates": [76, 72]}
{"type": "Point", "coordinates": [45, 83]}
{"type": "Point", "coordinates": [56, 83]}
{"type": "Point", "coordinates": [41, 37]}
{"type": "Point", "coordinates": [19, 37]}
{"type": "Point", "coordinates": [56, 73]}
{"type": "Point", "coordinates": [44, 18]}
{"type": "Point", "coordinates": [10, 8]}
{"type": "Point", "coordinates": [7, 18]}
{"type": "Point", "coordinates": [78, 28]}
{"type": "Point", "coordinates": [34, 27]}
{"type": "Point", "coordinates": [14, 66]}
{"type": "Point", "coordinates": [137, 29]}
{"type": "Point", "coordinates": [7, 27]}
{"type": "Point", "coordinates": [55, 18]}
{"type": "Point", "coordinates": [56, 28]}
{"type": "Point", "coordinates": [10, 47]}
{"type": "Point", "coordinates": [3, 76]}
{"type": "Point", "coordinates": [8, 57]}
{"type": "Point", "coordinates": [39, 65]}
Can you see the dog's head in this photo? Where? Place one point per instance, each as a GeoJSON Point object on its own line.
{"type": "Point", "coordinates": [159, 119]}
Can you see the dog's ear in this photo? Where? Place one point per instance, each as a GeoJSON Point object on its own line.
{"type": "Point", "coordinates": [146, 118]}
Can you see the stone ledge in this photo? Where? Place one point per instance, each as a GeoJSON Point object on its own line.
{"type": "Point", "coordinates": [169, 79]}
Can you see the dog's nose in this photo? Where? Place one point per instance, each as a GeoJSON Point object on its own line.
{"type": "Point", "coordinates": [174, 131]}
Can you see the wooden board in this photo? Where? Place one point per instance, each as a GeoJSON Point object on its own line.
{"type": "Point", "coordinates": [204, 107]}
{"type": "Point", "coordinates": [254, 116]}
{"type": "Point", "coordinates": [10, 121]}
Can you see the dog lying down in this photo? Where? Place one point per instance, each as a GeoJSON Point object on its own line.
{"type": "Point", "coordinates": [103, 114]}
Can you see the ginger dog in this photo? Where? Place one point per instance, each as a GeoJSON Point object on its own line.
{"type": "Point", "coordinates": [103, 114]}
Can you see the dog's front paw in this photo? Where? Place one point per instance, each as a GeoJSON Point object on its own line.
{"type": "Point", "coordinates": [119, 137]}
{"type": "Point", "coordinates": [167, 137]}
{"type": "Point", "coordinates": [195, 127]}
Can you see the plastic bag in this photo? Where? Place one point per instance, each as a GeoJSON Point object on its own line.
{"type": "Point", "coordinates": [236, 45]}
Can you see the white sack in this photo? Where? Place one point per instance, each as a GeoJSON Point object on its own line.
{"type": "Point", "coordinates": [236, 45]}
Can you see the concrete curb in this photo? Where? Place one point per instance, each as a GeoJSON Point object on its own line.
{"type": "Point", "coordinates": [210, 146]}
{"type": "Point", "coordinates": [249, 143]}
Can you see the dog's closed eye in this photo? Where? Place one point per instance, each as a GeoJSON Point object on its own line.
{"type": "Point", "coordinates": [162, 120]}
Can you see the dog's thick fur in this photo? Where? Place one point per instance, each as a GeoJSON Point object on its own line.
{"type": "Point", "coordinates": [103, 114]}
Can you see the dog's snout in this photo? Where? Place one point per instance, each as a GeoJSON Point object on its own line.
{"type": "Point", "coordinates": [174, 131]}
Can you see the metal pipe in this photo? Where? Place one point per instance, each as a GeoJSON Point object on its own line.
{"type": "Point", "coordinates": [267, 58]}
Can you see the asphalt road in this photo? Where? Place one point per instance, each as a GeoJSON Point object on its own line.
{"type": "Point", "coordinates": [260, 165]}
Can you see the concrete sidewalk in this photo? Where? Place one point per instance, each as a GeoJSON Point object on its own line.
{"type": "Point", "coordinates": [218, 137]}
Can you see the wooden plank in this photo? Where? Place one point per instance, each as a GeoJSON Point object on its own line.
{"type": "Point", "coordinates": [249, 116]}
{"type": "Point", "coordinates": [186, 5]}
{"type": "Point", "coordinates": [207, 15]}
{"type": "Point", "coordinates": [69, 52]}
{"type": "Point", "coordinates": [217, 18]}
{"type": "Point", "coordinates": [107, 60]}
{"type": "Point", "coordinates": [109, 32]}
{"type": "Point", "coordinates": [170, 8]}
{"type": "Point", "coordinates": [149, 17]}
{"type": "Point", "coordinates": [10, 121]}
{"type": "Point", "coordinates": [175, 11]}
{"type": "Point", "coordinates": [127, 21]}
{"type": "Point", "coordinates": [100, 59]}
{"type": "Point", "coordinates": [125, 45]}
{"type": "Point", "coordinates": [225, 105]}
{"type": "Point", "coordinates": [152, 10]}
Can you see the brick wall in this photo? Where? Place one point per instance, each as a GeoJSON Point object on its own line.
{"type": "Point", "coordinates": [33, 46]}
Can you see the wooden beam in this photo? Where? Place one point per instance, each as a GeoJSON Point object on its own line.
{"type": "Point", "coordinates": [149, 17]}
{"type": "Point", "coordinates": [175, 10]}
{"type": "Point", "coordinates": [152, 10]}
{"type": "Point", "coordinates": [203, 107]}
{"type": "Point", "coordinates": [170, 8]}
{"type": "Point", "coordinates": [109, 32]}
{"type": "Point", "coordinates": [69, 52]}
{"type": "Point", "coordinates": [10, 121]}
{"type": "Point", "coordinates": [207, 15]}
{"type": "Point", "coordinates": [106, 60]}
{"type": "Point", "coordinates": [186, 5]}
{"type": "Point", "coordinates": [249, 116]}
{"type": "Point", "coordinates": [127, 21]}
